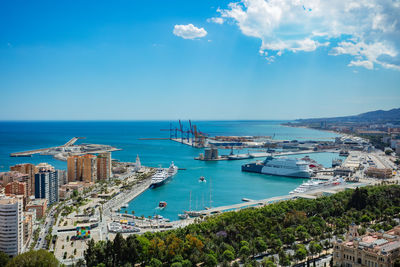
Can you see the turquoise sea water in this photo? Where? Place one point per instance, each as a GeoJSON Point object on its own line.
{"type": "Point", "coordinates": [228, 184]}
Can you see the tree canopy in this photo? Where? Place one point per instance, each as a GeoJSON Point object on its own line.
{"type": "Point", "coordinates": [246, 233]}
{"type": "Point", "coordinates": [34, 258]}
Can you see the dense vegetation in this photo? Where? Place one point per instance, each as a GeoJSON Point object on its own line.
{"type": "Point", "coordinates": [306, 226]}
{"type": "Point", "coordinates": [32, 258]}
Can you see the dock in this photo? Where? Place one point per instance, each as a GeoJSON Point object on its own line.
{"type": "Point", "coordinates": [259, 203]}
{"type": "Point", "coordinates": [263, 155]}
{"type": "Point", "coordinates": [29, 153]}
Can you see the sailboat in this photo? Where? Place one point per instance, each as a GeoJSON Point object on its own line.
{"type": "Point", "coordinates": [191, 212]}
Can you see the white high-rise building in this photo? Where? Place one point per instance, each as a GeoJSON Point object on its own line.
{"type": "Point", "coordinates": [11, 225]}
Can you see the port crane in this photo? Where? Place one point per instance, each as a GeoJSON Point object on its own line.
{"type": "Point", "coordinates": [192, 133]}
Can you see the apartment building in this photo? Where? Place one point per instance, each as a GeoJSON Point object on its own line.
{"type": "Point", "coordinates": [11, 226]}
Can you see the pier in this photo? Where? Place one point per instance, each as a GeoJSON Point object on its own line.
{"type": "Point", "coordinates": [72, 141]}
{"type": "Point", "coordinates": [29, 153]}
{"type": "Point", "coordinates": [259, 203]}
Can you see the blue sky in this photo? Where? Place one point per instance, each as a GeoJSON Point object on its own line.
{"type": "Point", "coordinates": [127, 60]}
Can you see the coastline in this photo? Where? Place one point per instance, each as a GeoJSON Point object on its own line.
{"type": "Point", "coordinates": [305, 127]}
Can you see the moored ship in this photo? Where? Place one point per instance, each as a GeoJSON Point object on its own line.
{"type": "Point", "coordinates": [280, 166]}
{"type": "Point", "coordinates": [317, 184]}
{"type": "Point", "coordinates": [163, 175]}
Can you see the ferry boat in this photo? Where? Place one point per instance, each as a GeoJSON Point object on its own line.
{"type": "Point", "coordinates": [280, 166]}
{"type": "Point", "coordinates": [314, 184]}
{"type": "Point", "coordinates": [162, 175]}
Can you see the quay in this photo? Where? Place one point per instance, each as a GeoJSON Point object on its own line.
{"type": "Point", "coordinates": [29, 153]}
{"type": "Point", "coordinates": [263, 155]}
{"type": "Point", "coordinates": [259, 203]}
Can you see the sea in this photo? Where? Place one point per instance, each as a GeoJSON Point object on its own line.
{"type": "Point", "coordinates": [225, 182]}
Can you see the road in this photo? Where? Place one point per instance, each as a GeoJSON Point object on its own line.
{"type": "Point", "coordinates": [48, 222]}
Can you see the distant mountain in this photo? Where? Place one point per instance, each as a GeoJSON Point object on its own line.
{"type": "Point", "coordinates": [392, 115]}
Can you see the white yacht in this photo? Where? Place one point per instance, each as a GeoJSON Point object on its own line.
{"type": "Point", "coordinates": [162, 175]}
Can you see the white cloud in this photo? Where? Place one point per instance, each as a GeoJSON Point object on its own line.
{"type": "Point", "coordinates": [217, 20]}
{"type": "Point", "coordinates": [189, 31]}
{"type": "Point", "coordinates": [368, 30]}
{"type": "Point", "coordinates": [362, 63]}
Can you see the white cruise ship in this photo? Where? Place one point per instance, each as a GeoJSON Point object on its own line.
{"type": "Point", "coordinates": [162, 175]}
{"type": "Point", "coordinates": [281, 166]}
{"type": "Point", "coordinates": [316, 184]}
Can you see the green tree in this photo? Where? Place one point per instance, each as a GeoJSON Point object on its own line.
{"type": "Point", "coordinates": [284, 259]}
{"type": "Point", "coordinates": [155, 262]}
{"type": "Point", "coordinates": [4, 258]}
{"type": "Point", "coordinates": [267, 262]}
{"type": "Point", "coordinates": [260, 245]}
{"type": "Point", "coordinates": [34, 258]}
{"type": "Point", "coordinates": [211, 260]}
{"type": "Point", "coordinates": [301, 233]}
{"type": "Point", "coordinates": [119, 246]}
{"type": "Point", "coordinates": [244, 251]}
{"type": "Point", "coordinates": [228, 255]}
{"type": "Point", "coordinates": [186, 263]}
{"type": "Point", "coordinates": [300, 253]}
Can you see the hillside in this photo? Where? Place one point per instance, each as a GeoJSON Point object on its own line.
{"type": "Point", "coordinates": [392, 115]}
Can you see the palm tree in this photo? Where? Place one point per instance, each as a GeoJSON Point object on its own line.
{"type": "Point", "coordinates": [150, 221]}
{"type": "Point", "coordinates": [133, 213]}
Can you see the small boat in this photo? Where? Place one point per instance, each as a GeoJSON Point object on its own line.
{"type": "Point", "coordinates": [183, 216]}
{"type": "Point", "coordinates": [124, 206]}
{"type": "Point", "coordinates": [202, 179]}
{"type": "Point", "coordinates": [162, 204]}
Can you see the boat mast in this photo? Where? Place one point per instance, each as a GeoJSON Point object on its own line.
{"type": "Point", "coordinates": [190, 201]}
{"type": "Point", "coordinates": [210, 194]}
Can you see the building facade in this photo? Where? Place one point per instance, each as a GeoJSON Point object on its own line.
{"type": "Point", "coordinates": [17, 188]}
{"type": "Point", "coordinates": [104, 166]}
{"type": "Point", "coordinates": [46, 185]}
{"type": "Point", "coordinates": [28, 222]}
{"type": "Point", "coordinates": [374, 249]}
{"type": "Point", "coordinates": [30, 170]}
{"type": "Point", "coordinates": [39, 206]}
{"type": "Point", "coordinates": [82, 168]}
{"type": "Point", "coordinates": [11, 226]}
